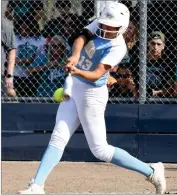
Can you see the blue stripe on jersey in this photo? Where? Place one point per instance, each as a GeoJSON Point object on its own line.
{"type": "Point", "coordinates": [91, 56]}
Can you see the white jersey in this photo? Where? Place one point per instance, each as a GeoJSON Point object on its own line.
{"type": "Point", "coordinates": [98, 50]}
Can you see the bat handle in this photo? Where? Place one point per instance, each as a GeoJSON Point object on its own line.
{"type": "Point", "coordinates": [68, 85]}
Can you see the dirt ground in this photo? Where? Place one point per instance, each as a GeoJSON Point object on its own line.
{"type": "Point", "coordinates": [83, 177]}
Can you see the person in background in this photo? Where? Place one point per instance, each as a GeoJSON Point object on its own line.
{"type": "Point", "coordinates": [131, 34]}
{"type": "Point", "coordinates": [8, 54]}
{"type": "Point", "coordinates": [160, 72]}
{"type": "Point", "coordinates": [30, 45]}
{"type": "Point", "coordinates": [124, 85]}
{"type": "Point", "coordinates": [122, 81]}
{"type": "Point", "coordinates": [51, 69]}
{"type": "Point", "coordinates": [131, 37]}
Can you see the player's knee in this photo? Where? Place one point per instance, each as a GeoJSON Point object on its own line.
{"type": "Point", "coordinates": [103, 152]}
{"type": "Point", "coordinates": [58, 140]}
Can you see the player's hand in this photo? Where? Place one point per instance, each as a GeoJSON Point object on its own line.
{"type": "Point", "coordinates": [72, 69]}
{"type": "Point", "coordinates": [9, 82]}
{"type": "Point", "coordinates": [72, 61]}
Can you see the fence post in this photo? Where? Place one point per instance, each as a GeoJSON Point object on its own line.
{"type": "Point", "coordinates": [142, 50]}
{"type": "Point", "coordinates": [97, 8]}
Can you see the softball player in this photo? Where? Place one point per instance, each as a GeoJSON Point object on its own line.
{"type": "Point", "coordinates": [91, 60]}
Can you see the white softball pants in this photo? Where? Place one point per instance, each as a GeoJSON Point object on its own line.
{"type": "Point", "coordinates": [87, 106]}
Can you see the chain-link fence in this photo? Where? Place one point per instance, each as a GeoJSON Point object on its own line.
{"type": "Point", "coordinates": [147, 74]}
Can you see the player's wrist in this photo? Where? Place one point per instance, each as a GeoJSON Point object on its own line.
{"type": "Point", "coordinates": [76, 55]}
{"type": "Point", "coordinates": [78, 72]}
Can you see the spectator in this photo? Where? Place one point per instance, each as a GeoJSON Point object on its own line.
{"type": "Point", "coordinates": [66, 23]}
{"type": "Point", "coordinates": [8, 53]}
{"type": "Point", "coordinates": [160, 68]}
{"type": "Point", "coordinates": [131, 34]}
{"type": "Point", "coordinates": [124, 85]}
{"type": "Point", "coordinates": [131, 38]}
{"type": "Point", "coordinates": [52, 68]}
{"type": "Point", "coordinates": [162, 15]}
{"type": "Point", "coordinates": [30, 45]}
{"type": "Point", "coordinates": [17, 9]}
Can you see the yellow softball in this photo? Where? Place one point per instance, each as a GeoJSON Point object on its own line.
{"type": "Point", "coordinates": [59, 95]}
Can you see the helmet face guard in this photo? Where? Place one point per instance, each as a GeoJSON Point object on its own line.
{"type": "Point", "coordinates": [102, 33]}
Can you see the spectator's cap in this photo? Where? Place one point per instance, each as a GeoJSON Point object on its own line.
{"type": "Point", "coordinates": [157, 35]}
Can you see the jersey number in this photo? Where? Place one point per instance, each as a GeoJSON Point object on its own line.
{"type": "Point", "coordinates": [85, 64]}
